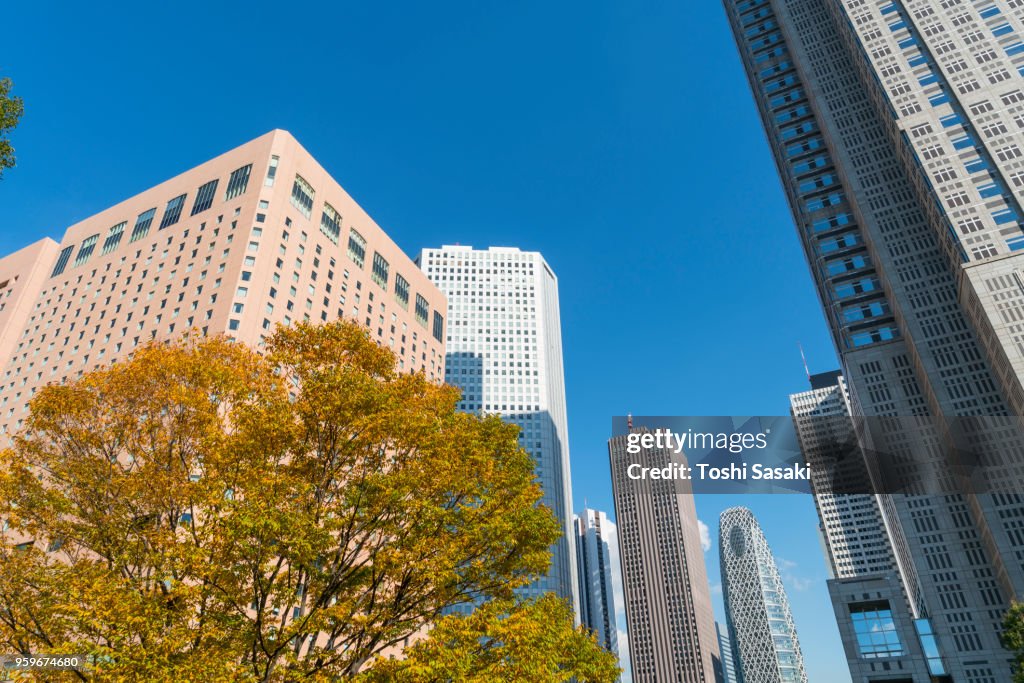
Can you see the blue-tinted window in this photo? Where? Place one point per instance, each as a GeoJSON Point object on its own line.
{"type": "Point", "coordinates": [330, 223]}
{"type": "Point", "coordinates": [238, 183]}
{"type": "Point", "coordinates": [142, 223]}
{"type": "Point", "coordinates": [402, 290]}
{"type": "Point", "coordinates": [114, 237]}
{"type": "Point", "coordinates": [204, 197]}
{"type": "Point", "coordinates": [302, 196]}
{"type": "Point", "coordinates": [62, 261]}
{"type": "Point", "coordinates": [172, 214]}
{"type": "Point", "coordinates": [85, 251]}
{"type": "Point", "coordinates": [422, 310]}
{"type": "Point", "coordinates": [379, 274]}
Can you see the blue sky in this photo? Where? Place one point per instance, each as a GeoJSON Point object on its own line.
{"type": "Point", "coordinates": [617, 138]}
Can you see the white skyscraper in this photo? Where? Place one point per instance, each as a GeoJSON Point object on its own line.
{"type": "Point", "coordinates": [761, 628]}
{"type": "Point", "coordinates": [504, 349]}
{"type": "Point", "coordinates": [595, 538]}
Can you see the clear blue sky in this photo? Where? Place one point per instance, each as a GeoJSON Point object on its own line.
{"type": "Point", "coordinates": [617, 138]}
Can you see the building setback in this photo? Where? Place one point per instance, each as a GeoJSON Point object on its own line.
{"type": "Point", "coordinates": [765, 644]}
{"type": "Point", "coordinates": [258, 236]}
{"type": "Point", "coordinates": [896, 129]}
{"type": "Point", "coordinates": [595, 536]}
{"type": "Point", "coordinates": [504, 350]}
{"type": "Point", "coordinates": [669, 616]}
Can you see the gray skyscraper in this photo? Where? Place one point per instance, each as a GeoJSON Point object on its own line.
{"type": "Point", "coordinates": [898, 131]}
{"type": "Point", "coordinates": [668, 601]}
{"type": "Point", "coordinates": [595, 536]}
{"type": "Point", "coordinates": [504, 350]}
{"type": "Point", "coordinates": [766, 647]}
{"type": "Point", "coordinates": [725, 648]}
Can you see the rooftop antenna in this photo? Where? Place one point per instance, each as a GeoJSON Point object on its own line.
{"type": "Point", "coordinates": [629, 420]}
{"type": "Point", "coordinates": [803, 358]}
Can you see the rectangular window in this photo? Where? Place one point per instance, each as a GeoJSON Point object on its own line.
{"type": "Point", "coordinates": [172, 214]}
{"type": "Point", "coordinates": [380, 270]}
{"type": "Point", "coordinates": [402, 291]}
{"type": "Point", "coordinates": [204, 197]}
{"type": "Point", "coordinates": [302, 196]}
{"type": "Point", "coordinates": [85, 251]}
{"type": "Point", "coordinates": [356, 248]}
{"type": "Point", "coordinates": [113, 237]}
{"type": "Point", "coordinates": [422, 310]}
{"type": "Point", "coordinates": [271, 171]}
{"type": "Point", "coordinates": [238, 183]}
{"type": "Point", "coordinates": [330, 223]}
{"type": "Point", "coordinates": [438, 326]}
{"type": "Point", "coordinates": [875, 629]}
{"type": "Point", "coordinates": [142, 224]}
{"type": "Point", "coordinates": [62, 261]}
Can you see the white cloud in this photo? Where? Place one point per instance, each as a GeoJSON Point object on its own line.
{"type": "Point", "coordinates": [705, 535]}
{"type": "Point", "coordinates": [789, 576]}
{"type": "Point", "coordinates": [716, 589]}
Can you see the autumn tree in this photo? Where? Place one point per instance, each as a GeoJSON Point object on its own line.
{"type": "Point", "coordinates": [1013, 638]}
{"type": "Point", "coordinates": [11, 109]}
{"type": "Point", "coordinates": [205, 512]}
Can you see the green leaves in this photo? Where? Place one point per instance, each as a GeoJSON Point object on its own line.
{"type": "Point", "coordinates": [11, 110]}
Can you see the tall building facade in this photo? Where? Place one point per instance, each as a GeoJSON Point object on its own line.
{"type": "Point", "coordinates": [866, 581]}
{"type": "Point", "coordinates": [852, 529]}
{"type": "Point", "coordinates": [504, 350]}
{"type": "Point", "coordinates": [766, 648]}
{"type": "Point", "coordinates": [595, 538]}
{"type": "Point", "coordinates": [671, 624]}
{"type": "Point", "coordinates": [729, 674]}
{"type": "Point", "coordinates": [256, 237]}
{"type": "Point", "coordinates": [897, 129]}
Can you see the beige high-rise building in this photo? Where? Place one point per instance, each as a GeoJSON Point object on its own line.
{"type": "Point", "coordinates": [256, 237]}
{"type": "Point", "coordinates": [670, 619]}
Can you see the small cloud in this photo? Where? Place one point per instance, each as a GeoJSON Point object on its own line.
{"type": "Point", "coordinates": [784, 564]}
{"type": "Point", "coordinates": [705, 535]}
{"type": "Point", "coordinates": [799, 583]}
{"type": "Point", "coordinates": [790, 578]}
{"type": "Point", "coordinates": [716, 589]}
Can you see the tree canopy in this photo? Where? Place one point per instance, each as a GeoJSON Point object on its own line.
{"type": "Point", "coordinates": [11, 109]}
{"type": "Point", "coordinates": [202, 511]}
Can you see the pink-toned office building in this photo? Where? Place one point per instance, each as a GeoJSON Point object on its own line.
{"type": "Point", "coordinates": [256, 237]}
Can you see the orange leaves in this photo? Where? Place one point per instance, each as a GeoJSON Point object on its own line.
{"type": "Point", "coordinates": [285, 515]}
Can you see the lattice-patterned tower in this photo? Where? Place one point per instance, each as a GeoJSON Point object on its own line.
{"type": "Point", "coordinates": [765, 645]}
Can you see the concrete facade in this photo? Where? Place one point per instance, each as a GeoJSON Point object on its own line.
{"type": "Point", "coordinates": [669, 615]}
{"type": "Point", "coordinates": [256, 237]}
{"type": "Point", "coordinates": [896, 128]}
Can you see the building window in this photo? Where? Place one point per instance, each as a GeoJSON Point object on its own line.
{"type": "Point", "coordinates": [421, 310]}
{"type": "Point", "coordinates": [380, 270]}
{"type": "Point", "coordinates": [330, 223]}
{"type": "Point", "coordinates": [272, 171]}
{"type": "Point", "coordinates": [142, 223]}
{"type": "Point", "coordinates": [238, 183]}
{"type": "Point", "coordinates": [302, 196]}
{"type": "Point", "coordinates": [85, 251]}
{"type": "Point", "coordinates": [356, 248]}
{"type": "Point", "coordinates": [876, 631]}
{"type": "Point", "coordinates": [62, 261]}
{"type": "Point", "coordinates": [173, 211]}
{"type": "Point", "coordinates": [438, 326]}
{"type": "Point", "coordinates": [204, 198]}
{"type": "Point", "coordinates": [113, 237]}
{"type": "Point", "coordinates": [402, 291]}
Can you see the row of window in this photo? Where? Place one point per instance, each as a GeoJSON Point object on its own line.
{"type": "Point", "coordinates": [237, 185]}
